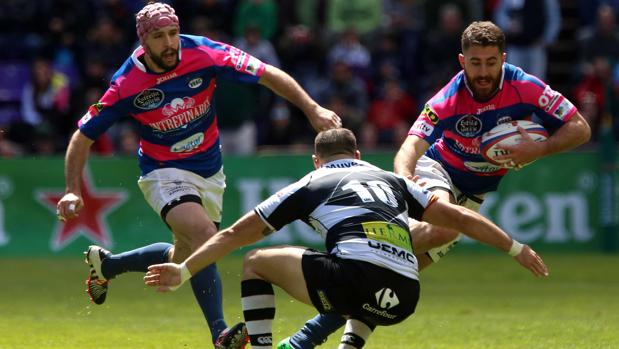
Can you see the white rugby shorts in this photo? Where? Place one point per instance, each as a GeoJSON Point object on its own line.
{"type": "Point", "coordinates": [164, 185]}
{"type": "Point", "coordinates": [436, 177]}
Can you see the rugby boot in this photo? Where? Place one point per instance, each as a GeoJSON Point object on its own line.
{"type": "Point", "coordinates": [285, 344]}
{"type": "Point", "coordinates": [234, 337]}
{"type": "Point", "coordinates": [96, 285]}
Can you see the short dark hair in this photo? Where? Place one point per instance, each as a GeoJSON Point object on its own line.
{"type": "Point", "coordinates": [483, 33]}
{"type": "Point", "coordinates": [335, 141]}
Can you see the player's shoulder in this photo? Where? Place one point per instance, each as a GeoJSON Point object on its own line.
{"type": "Point", "coordinates": [521, 80]}
{"type": "Point", "coordinates": [127, 67]}
{"type": "Point", "coordinates": [446, 99]}
{"type": "Point", "coordinates": [202, 43]}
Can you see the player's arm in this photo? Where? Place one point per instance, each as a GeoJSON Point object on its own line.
{"type": "Point", "coordinates": [406, 158]}
{"type": "Point", "coordinates": [247, 230]}
{"type": "Point", "coordinates": [281, 208]}
{"type": "Point", "coordinates": [478, 227]}
{"type": "Point", "coordinates": [285, 86]}
{"type": "Point", "coordinates": [75, 159]}
{"type": "Point", "coordinates": [570, 135]}
{"type": "Point", "coordinates": [573, 133]}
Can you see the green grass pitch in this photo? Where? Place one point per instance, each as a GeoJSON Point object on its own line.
{"type": "Point", "coordinates": [468, 302]}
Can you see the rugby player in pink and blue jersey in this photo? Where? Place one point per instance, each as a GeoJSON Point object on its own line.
{"type": "Point", "coordinates": [167, 86]}
{"type": "Point", "coordinates": [443, 144]}
{"type": "Point", "coordinates": [442, 147]}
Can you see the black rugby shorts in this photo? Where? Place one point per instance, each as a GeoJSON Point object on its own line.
{"type": "Point", "coordinates": [361, 290]}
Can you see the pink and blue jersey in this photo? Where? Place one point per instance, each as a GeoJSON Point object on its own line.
{"type": "Point", "coordinates": [174, 110]}
{"type": "Point", "coordinates": [452, 122]}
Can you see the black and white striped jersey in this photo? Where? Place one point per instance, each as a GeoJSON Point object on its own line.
{"type": "Point", "coordinates": [359, 209]}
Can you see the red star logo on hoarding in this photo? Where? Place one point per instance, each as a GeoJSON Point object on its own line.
{"type": "Point", "coordinates": [91, 221]}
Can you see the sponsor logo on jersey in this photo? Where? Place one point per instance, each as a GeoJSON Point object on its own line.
{"type": "Point", "coordinates": [547, 98]}
{"type": "Point", "coordinates": [375, 311]}
{"type": "Point", "coordinates": [481, 167]}
{"type": "Point", "coordinates": [386, 298]}
{"type": "Point", "coordinates": [473, 148]}
{"type": "Point", "coordinates": [343, 165]}
{"type": "Point", "coordinates": [486, 108]}
{"type": "Point", "coordinates": [195, 83]}
{"type": "Point", "coordinates": [563, 109]}
{"type": "Point", "coordinates": [93, 111]}
{"type": "Point", "coordinates": [430, 114]}
{"type": "Point", "coordinates": [188, 144]}
{"type": "Point", "coordinates": [239, 63]}
{"type": "Point", "coordinates": [176, 105]}
{"type": "Point", "coordinates": [552, 102]}
{"type": "Point", "coordinates": [468, 125]}
{"type": "Point", "coordinates": [252, 66]}
{"type": "Point", "coordinates": [504, 120]}
{"type": "Point", "coordinates": [388, 232]}
{"type": "Point", "coordinates": [85, 118]}
{"type": "Point", "coordinates": [237, 57]}
{"type": "Point", "coordinates": [392, 251]}
{"type": "Point", "coordinates": [166, 78]}
{"type": "Point", "coordinates": [96, 108]}
{"type": "Point", "coordinates": [149, 99]}
{"type": "Point", "coordinates": [186, 116]}
{"type": "Point", "coordinates": [423, 127]}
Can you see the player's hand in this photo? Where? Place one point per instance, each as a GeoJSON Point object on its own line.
{"type": "Point", "coordinates": [324, 119]}
{"type": "Point", "coordinates": [522, 153]}
{"type": "Point", "coordinates": [68, 206]}
{"type": "Point", "coordinates": [420, 182]}
{"type": "Point", "coordinates": [532, 261]}
{"type": "Point", "coordinates": [166, 276]}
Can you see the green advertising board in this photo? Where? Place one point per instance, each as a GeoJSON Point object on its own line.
{"type": "Point", "coordinates": [554, 204]}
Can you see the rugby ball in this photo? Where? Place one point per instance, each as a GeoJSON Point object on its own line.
{"type": "Point", "coordinates": [507, 134]}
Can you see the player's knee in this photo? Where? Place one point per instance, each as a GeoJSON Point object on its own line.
{"type": "Point", "coordinates": [427, 236]}
{"type": "Point", "coordinates": [441, 236]}
{"type": "Point", "coordinates": [250, 263]}
{"type": "Point", "coordinates": [251, 257]}
{"type": "Point", "coordinates": [199, 236]}
{"type": "Point", "coordinates": [179, 253]}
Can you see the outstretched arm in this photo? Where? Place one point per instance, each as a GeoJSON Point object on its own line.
{"type": "Point", "coordinates": [285, 86]}
{"type": "Point", "coordinates": [411, 150]}
{"type": "Point", "coordinates": [169, 276]}
{"type": "Point", "coordinates": [75, 159]}
{"type": "Point", "coordinates": [480, 228]}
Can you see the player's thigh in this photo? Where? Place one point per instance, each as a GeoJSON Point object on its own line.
{"type": "Point", "coordinates": [280, 266]}
{"type": "Point", "coordinates": [189, 204]}
{"type": "Point", "coordinates": [443, 194]}
{"type": "Point", "coordinates": [190, 224]}
{"type": "Point", "coordinates": [426, 236]}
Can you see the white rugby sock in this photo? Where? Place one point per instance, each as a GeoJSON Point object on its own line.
{"type": "Point", "coordinates": [355, 335]}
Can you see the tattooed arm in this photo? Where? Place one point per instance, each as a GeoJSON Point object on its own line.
{"type": "Point", "coordinates": [247, 230]}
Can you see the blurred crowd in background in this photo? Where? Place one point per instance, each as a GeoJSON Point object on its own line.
{"type": "Point", "coordinates": [374, 62]}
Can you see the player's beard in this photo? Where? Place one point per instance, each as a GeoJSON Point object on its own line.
{"type": "Point", "coordinates": [159, 60]}
{"type": "Point", "coordinates": [483, 87]}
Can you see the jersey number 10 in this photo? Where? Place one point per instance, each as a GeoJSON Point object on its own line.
{"type": "Point", "coordinates": [380, 189]}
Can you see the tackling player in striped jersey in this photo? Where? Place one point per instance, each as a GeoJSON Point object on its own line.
{"type": "Point", "coordinates": [369, 273]}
